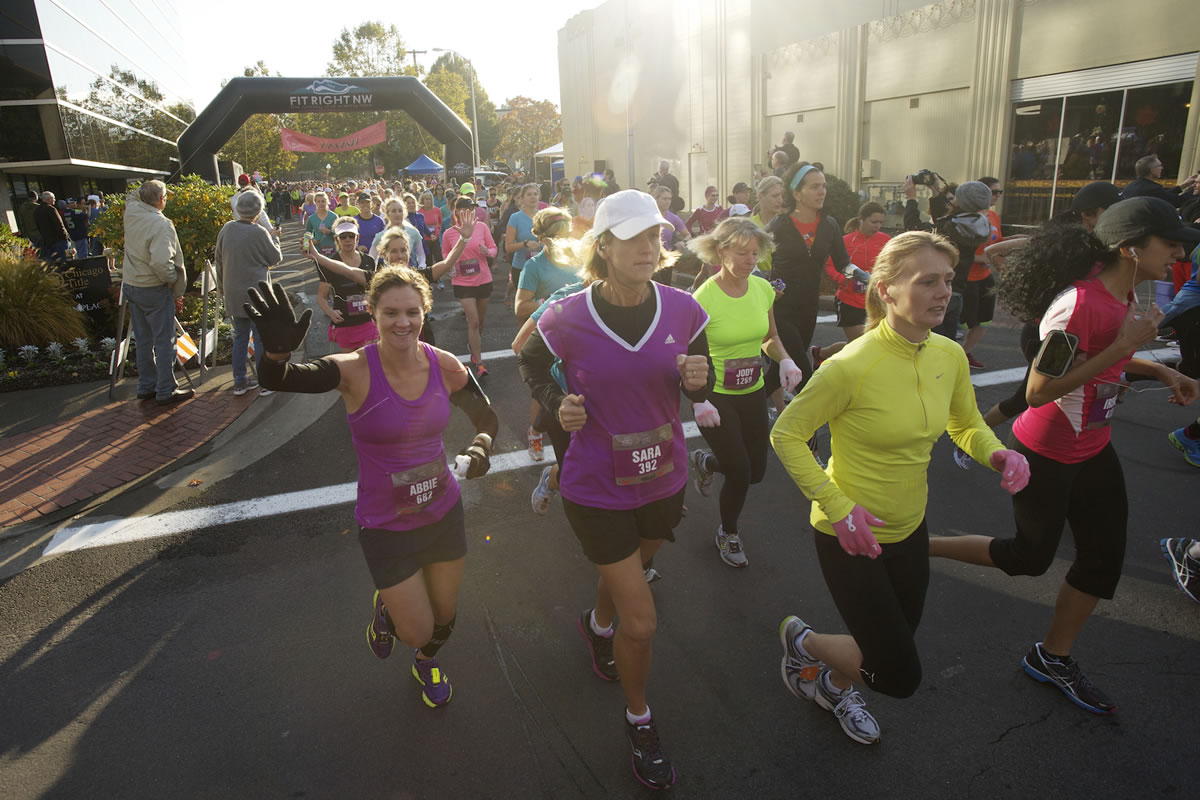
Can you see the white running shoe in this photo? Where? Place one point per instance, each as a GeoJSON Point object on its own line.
{"type": "Point", "coordinates": [704, 476]}
{"type": "Point", "coordinates": [849, 708]}
{"type": "Point", "coordinates": [798, 670]}
{"type": "Point", "coordinates": [543, 495]}
{"type": "Point", "coordinates": [537, 447]}
{"type": "Point", "coordinates": [961, 459]}
{"type": "Point", "coordinates": [729, 546]}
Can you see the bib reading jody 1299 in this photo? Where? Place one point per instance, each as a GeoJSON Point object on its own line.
{"type": "Point", "coordinates": [642, 457]}
{"type": "Point", "coordinates": [416, 488]}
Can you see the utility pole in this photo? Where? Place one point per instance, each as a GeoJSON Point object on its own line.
{"type": "Point", "coordinates": [414, 54]}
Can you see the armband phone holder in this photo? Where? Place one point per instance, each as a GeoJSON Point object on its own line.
{"type": "Point", "coordinates": [1057, 354]}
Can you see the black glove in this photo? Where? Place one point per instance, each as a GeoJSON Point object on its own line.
{"type": "Point", "coordinates": [477, 451]}
{"type": "Point", "coordinates": [271, 312]}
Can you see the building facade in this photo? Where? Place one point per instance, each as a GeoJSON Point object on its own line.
{"type": "Point", "coordinates": [1044, 94]}
{"type": "Point", "coordinates": [92, 95]}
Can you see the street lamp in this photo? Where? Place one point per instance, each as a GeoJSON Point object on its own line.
{"type": "Point", "coordinates": [474, 116]}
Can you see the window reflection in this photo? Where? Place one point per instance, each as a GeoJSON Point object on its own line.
{"type": "Point", "coordinates": [93, 139]}
{"type": "Point", "coordinates": [26, 73]}
{"type": "Point", "coordinates": [1155, 118]}
{"type": "Point", "coordinates": [1032, 161]}
{"type": "Point", "coordinates": [109, 51]}
{"type": "Point", "coordinates": [120, 97]}
{"type": "Point", "coordinates": [1089, 144]}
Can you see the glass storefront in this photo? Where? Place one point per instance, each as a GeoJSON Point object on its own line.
{"type": "Point", "coordinates": [1061, 144]}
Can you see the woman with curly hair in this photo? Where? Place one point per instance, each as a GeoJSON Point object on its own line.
{"type": "Point", "coordinates": [1081, 286]}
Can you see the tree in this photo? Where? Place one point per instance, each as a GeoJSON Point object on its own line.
{"type": "Point", "coordinates": [258, 144]}
{"type": "Point", "coordinates": [369, 50]}
{"type": "Point", "coordinates": [529, 126]}
{"type": "Point", "coordinates": [485, 109]}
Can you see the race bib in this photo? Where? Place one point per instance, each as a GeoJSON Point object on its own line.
{"type": "Point", "coordinates": [859, 287]}
{"type": "Point", "coordinates": [468, 268]}
{"type": "Point", "coordinates": [1102, 408]}
{"type": "Point", "coordinates": [642, 457]}
{"type": "Point", "coordinates": [357, 304]}
{"type": "Point", "coordinates": [416, 488]}
{"type": "Point", "coordinates": [742, 373]}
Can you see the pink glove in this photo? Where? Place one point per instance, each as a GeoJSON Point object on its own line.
{"type": "Point", "coordinates": [1013, 469]}
{"type": "Point", "coordinates": [790, 375]}
{"type": "Point", "coordinates": [854, 533]}
{"type": "Point", "coordinates": [706, 414]}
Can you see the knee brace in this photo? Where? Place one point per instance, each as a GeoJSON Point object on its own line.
{"type": "Point", "coordinates": [441, 633]}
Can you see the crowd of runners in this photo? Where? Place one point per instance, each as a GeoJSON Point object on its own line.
{"type": "Point", "coordinates": [608, 345]}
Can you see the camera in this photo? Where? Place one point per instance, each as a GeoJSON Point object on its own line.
{"type": "Point", "coordinates": [927, 177]}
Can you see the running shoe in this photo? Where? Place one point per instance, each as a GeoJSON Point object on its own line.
{"type": "Point", "coordinates": [436, 690]}
{"type": "Point", "coordinates": [849, 708]}
{"type": "Point", "coordinates": [1065, 675]}
{"type": "Point", "coordinates": [537, 450]}
{"type": "Point", "coordinates": [974, 363]}
{"type": "Point", "coordinates": [265, 392]}
{"type": "Point", "coordinates": [815, 353]}
{"type": "Point", "coordinates": [798, 670]}
{"type": "Point", "coordinates": [650, 764]}
{"type": "Point", "coordinates": [1188, 446]}
{"type": "Point", "coordinates": [961, 459]}
{"type": "Point", "coordinates": [651, 574]}
{"type": "Point", "coordinates": [600, 648]}
{"type": "Point", "coordinates": [480, 369]}
{"type": "Point", "coordinates": [381, 635]}
{"type": "Point", "coordinates": [729, 546]}
{"type": "Point", "coordinates": [238, 391]}
{"type": "Point", "coordinates": [704, 475]}
{"type": "Point", "coordinates": [1186, 568]}
{"type": "Point", "coordinates": [543, 495]}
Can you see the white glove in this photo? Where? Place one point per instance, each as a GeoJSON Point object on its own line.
{"type": "Point", "coordinates": [790, 375]}
{"type": "Point", "coordinates": [461, 465]}
{"type": "Point", "coordinates": [706, 414]}
{"type": "Point", "coordinates": [856, 273]}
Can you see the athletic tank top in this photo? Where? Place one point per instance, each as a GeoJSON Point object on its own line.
{"type": "Point", "coordinates": [631, 450]}
{"type": "Point", "coordinates": [403, 480]}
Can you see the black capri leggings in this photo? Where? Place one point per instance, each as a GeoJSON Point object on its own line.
{"type": "Point", "coordinates": [547, 423]}
{"type": "Point", "coordinates": [1014, 405]}
{"type": "Point", "coordinates": [739, 446]}
{"type": "Point", "coordinates": [1089, 495]}
{"type": "Point", "coordinates": [881, 602]}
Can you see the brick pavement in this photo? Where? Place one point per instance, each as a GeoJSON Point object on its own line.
{"type": "Point", "coordinates": [56, 466]}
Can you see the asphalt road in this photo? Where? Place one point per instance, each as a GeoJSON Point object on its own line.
{"type": "Point", "coordinates": [230, 661]}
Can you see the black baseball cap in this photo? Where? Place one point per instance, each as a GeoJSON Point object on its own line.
{"type": "Point", "coordinates": [1143, 216]}
{"type": "Point", "coordinates": [1098, 194]}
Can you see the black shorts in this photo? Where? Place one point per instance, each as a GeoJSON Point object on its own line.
{"type": "Point", "coordinates": [395, 556]}
{"type": "Point", "coordinates": [979, 302]}
{"type": "Point", "coordinates": [609, 536]}
{"type": "Point", "coordinates": [848, 316]}
{"type": "Point", "coordinates": [481, 292]}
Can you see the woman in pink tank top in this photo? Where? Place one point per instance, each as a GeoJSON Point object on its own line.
{"type": "Point", "coordinates": [397, 394]}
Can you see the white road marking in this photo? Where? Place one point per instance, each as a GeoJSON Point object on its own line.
{"type": "Point", "coordinates": [130, 529]}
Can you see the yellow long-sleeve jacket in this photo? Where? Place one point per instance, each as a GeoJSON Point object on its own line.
{"type": "Point", "coordinates": [887, 400]}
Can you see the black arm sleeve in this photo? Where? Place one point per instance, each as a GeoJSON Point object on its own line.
{"type": "Point", "coordinates": [534, 362]}
{"type": "Point", "coordinates": [699, 347]}
{"type": "Point", "coordinates": [837, 245]}
{"type": "Point", "coordinates": [313, 377]}
{"type": "Point", "coordinates": [912, 218]}
{"type": "Point", "coordinates": [475, 404]}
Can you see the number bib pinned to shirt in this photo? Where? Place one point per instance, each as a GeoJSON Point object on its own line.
{"type": "Point", "coordinates": [1104, 404]}
{"type": "Point", "coordinates": [642, 457]}
{"type": "Point", "coordinates": [357, 304]}
{"type": "Point", "coordinates": [416, 488]}
{"type": "Point", "coordinates": [742, 373]}
{"type": "Point", "coordinates": [468, 268]}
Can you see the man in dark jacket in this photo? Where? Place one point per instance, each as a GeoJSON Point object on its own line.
{"type": "Point", "coordinates": [52, 230]}
{"type": "Point", "coordinates": [1148, 170]}
{"type": "Point", "coordinates": [966, 225]}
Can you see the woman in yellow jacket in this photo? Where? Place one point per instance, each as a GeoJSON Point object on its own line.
{"type": "Point", "coordinates": [888, 396]}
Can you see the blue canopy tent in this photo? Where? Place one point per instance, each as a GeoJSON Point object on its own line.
{"type": "Point", "coordinates": [424, 165]}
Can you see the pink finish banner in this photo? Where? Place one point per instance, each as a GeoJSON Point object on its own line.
{"type": "Point", "coordinates": [303, 143]}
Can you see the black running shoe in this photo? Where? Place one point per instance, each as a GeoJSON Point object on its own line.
{"type": "Point", "coordinates": [1070, 681]}
{"type": "Point", "coordinates": [599, 647]}
{"type": "Point", "coordinates": [650, 764]}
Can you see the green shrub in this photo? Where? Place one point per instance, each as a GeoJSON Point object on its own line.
{"type": "Point", "coordinates": [13, 245]}
{"type": "Point", "coordinates": [841, 202]}
{"type": "Point", "coordinates": [35, 306]}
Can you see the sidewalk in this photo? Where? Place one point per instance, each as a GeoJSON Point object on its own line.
{"type": "Point", "coordinates": [104, 445]}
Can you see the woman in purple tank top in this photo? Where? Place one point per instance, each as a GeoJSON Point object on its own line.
{"type": "Point", "coordinates": [398, 393]}
{"type": "Point", "coordinates": [627, 346]}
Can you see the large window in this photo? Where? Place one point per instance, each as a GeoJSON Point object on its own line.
{"type": "Point", "coordinates": [26, 73]}
{"type": "Point", "coordinates": [19, 20]}
{"type": "Point", "coordinates": [1061, 144]}
{"type": "Point", "coordinates": [90, 138]}
{"type": "Point", "coordinates": [120, 96]}
{"type": "Point", "coordinates": [29, 131]}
